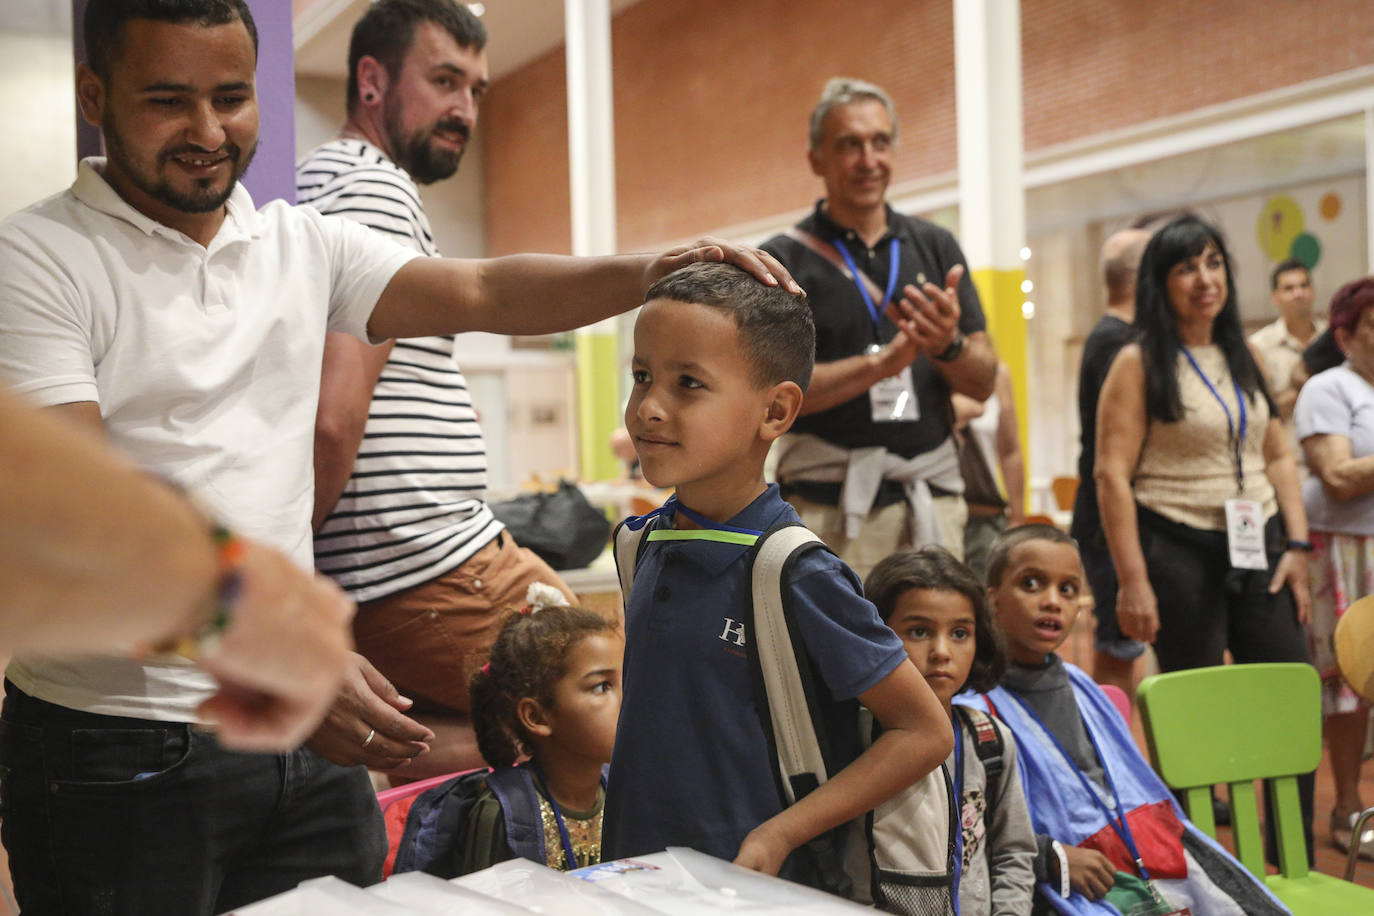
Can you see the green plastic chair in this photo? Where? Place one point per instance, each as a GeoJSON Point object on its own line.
{"type": "Point", "coordinates": [1235, 724]}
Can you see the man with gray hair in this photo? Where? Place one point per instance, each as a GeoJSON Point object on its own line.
{"type": "Point", "coordinates": [1114, 659]}
{"type": "Point", "coordinates": [870, 465]}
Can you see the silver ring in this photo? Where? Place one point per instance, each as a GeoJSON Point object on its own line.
{"type": "Point", "coordinates": [370, 735]}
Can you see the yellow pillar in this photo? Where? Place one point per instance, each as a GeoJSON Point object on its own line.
{"type": "Point", "coordinates": [598, 399]}
{"type": "Point", "coordinates": [1001, 295]}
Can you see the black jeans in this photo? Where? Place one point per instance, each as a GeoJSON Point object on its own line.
{"type": "Point", "coordinates": [1206, 607]}
{"type": "Point", "coordinates": [111, 815]}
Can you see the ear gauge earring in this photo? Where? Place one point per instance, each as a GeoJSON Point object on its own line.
{"type": "Point", "coordinates": [369, 98]}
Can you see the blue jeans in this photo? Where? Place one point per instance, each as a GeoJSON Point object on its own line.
{"type": "Point", "coordinates": [111, 815]}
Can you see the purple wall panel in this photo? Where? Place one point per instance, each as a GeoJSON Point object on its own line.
{"type": "Point", "coordinates": [273, 173]}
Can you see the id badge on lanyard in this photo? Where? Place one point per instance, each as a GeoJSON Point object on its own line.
{"type": "Point", "coordinates": [1245, 533]}
{"type": "Point", "coordinates": [893, 399]}
{"type": "Point", "coordinates": [1244, 517]}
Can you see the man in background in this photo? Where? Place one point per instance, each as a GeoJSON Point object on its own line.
{"type": "Point", "coordinates": [1281, 343]}
{"type": "Point", "coordinates": [870, 465]}
{"type": "Point", "coordinates": [1115, 655]}
{"type": "Point", "coordinates": [400, 463]}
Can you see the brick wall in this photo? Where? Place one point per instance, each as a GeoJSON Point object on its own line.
{"type": "Point", "coordinates": [712, 96]}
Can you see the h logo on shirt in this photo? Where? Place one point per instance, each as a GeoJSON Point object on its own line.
{"type": "Point", "coordinates": [733, 632]}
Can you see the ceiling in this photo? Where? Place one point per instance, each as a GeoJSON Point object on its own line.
{"type": "Point", "coordinates": [520, 30]}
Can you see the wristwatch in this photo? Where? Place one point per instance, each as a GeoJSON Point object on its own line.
{"type": "Point", "coordinates": [1295, 544]}
{"type": "Point", "coordinates": [951, 352]}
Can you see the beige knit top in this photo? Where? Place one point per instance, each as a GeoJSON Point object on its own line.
{"type": "Point", "coordinates": [1187, 469]}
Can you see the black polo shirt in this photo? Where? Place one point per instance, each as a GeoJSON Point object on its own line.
{"type": "Point", "coordinates": [844, 327]}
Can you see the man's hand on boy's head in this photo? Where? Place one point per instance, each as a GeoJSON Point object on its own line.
{"type": "Point", "coordinates": [758, 262]}
{"type": "Point", "coordinates": [1090, 872]}
{"type": "Point", "coordinates": [931, 314]}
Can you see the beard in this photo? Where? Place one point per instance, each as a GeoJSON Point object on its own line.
{"type": "Point", "coordinates": [418, 153]}
{"type": "Point", "coordinates": [204, 197]}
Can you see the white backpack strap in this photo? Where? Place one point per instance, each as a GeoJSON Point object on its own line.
{"type": "Point", "coordinates": [794, 733]}
{"type": "Point", "coordinates": [627, 541]}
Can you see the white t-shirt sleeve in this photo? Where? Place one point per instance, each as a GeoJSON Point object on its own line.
{"type": "Point", "coordinates": [363, 262]}
{"type": "Point", "coordinates": [47, 346]}
{"type": "Point", "coordinates": [1323, 407]}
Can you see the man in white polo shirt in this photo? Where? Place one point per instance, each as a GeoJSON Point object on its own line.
{"type": "Point", "coordinates": [152, 303]}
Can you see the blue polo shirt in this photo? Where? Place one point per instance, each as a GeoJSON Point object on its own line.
{"type": "Point", "coordinates": [691, 765]}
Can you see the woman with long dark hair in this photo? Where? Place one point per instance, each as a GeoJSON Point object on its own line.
{"type": "Point", "coordinates": [1196, 480]}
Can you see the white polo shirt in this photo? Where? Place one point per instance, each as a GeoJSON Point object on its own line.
{"type": "Point", "coordinates": [205, 364]}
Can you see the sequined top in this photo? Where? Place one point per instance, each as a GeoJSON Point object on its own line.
{"type": "Point", "coordinates": [584, 831]}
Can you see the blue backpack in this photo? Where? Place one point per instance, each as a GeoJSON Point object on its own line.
{"type": "Point", "coordinates": [437, 822]}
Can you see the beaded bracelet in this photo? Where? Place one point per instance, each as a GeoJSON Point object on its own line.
{"type": "Point", "coordinates": [229, 552]}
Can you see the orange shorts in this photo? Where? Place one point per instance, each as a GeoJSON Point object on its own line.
{"type": "Point", "coordinates": [428, 640]}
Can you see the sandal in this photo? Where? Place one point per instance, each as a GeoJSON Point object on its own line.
{"type": "Point", "coordinates": [1341, 827]}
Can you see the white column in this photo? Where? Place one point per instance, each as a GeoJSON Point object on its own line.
{"type": "Point", "coordinates": [591, 176]}
{"type": "Point", "coordinates": [987, 71]}
{"type": "Point", "coordinates": [992, 203]}
{"type": "Point", "coordinates": [591, 126]}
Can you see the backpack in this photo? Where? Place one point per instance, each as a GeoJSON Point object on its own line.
{"type": "Point", "coordinates": [987, 744]}
{"type": "Point", "coordinates": [437, 821]}
{"type": "Point", "coordinates": [900, 856]}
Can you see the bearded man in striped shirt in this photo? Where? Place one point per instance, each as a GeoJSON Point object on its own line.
{"type": "Point", "coordinates": [400, 463]}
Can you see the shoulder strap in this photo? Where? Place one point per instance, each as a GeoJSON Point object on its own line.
{"type": "Point", "coordinates": [987, 744]}
{"type": "Point", "coordinates": [514, 787]}
{"type": "Point", "coordinates": [777, 655]}
{"type": "Point", "coordinates": [627, 544]}
{"type": "Point", "coordinates": [828, 252]}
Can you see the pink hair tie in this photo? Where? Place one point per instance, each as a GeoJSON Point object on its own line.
{"type": "Point", "coordinates": [486, 670]}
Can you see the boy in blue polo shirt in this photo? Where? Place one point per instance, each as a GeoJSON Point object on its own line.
{"type": "Point", "coordinates": [720, 365]}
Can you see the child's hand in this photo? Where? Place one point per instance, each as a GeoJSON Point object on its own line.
{"type": "Point", "coordinates": [1090, 872]}
{"type": "Point", "coordinates": [764, 849]}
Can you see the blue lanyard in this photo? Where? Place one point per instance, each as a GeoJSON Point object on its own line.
{"type": "Point", "coordinates": [557, 818]}
{"type": "Point", "coordinates": [894, 259]}
{"type": "Point", "coordinates": [1117, 819]}
{"type": "Point", "coordinates": [958, 809]}
{"type": "Point", "coordinates": [1237, 442]}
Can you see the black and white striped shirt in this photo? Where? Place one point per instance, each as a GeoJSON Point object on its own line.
{"type": "Point", "coordinates": [414, 508]}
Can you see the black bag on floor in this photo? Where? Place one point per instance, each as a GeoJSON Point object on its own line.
{"type": "Point", "coordinates": [565, 530]}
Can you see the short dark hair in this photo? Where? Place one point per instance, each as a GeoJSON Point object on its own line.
{"type": "Point", "coordinates": [935, 569]}
{"type": "Point", "coordinates": [102, 26]}
{"type": "Point", "coordinates": [776, 329]}
{"type": "Point", "coordinates": [387, 30]}
{"type": "Point", "coordinates": [1000, 553]}
{"type": "Point", "coordinates": [1284, 267]}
